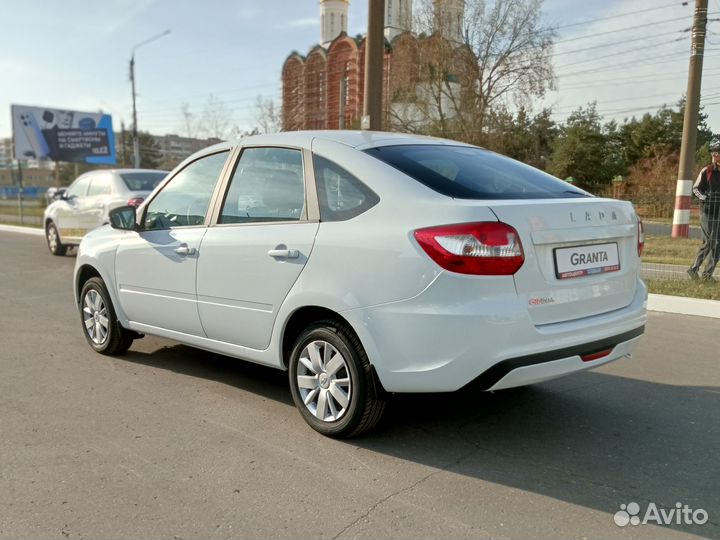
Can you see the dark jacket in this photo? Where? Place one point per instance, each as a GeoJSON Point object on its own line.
{"type": "Point", "coordinates": [707, 186]}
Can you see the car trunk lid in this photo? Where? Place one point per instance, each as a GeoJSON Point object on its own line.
{"type": "Point", "coordinates": [581, 256]}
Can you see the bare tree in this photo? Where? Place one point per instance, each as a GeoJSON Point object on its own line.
{"type": "Point", "coordinates": [268, 116]}
{"type": "Point", "coordinates": [216, 121]}
{"type": "Point", "coordinates": [502, 59]}
{"type": "Point", "coordinates": [189, 121]}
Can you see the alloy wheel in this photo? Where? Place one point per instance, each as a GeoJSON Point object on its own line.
{"type": "Point", "coordinates": [52, 238]}
{"type": "Point", "coordinates": [323, 380]}
{"type": "Point", "coordinates": [95, 317]}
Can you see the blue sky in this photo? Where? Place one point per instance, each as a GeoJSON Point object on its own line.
{"type": "Point", "coordinates": [74, 54]}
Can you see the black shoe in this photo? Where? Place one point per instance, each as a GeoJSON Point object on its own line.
{"type": "Point", "coordinates": [692, 273]}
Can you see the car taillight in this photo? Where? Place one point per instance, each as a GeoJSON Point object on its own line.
{"type": "Point", "coordinates": [641, 238]}
{"type": "Point", "coordinates": [488, 248]}
{"type": "Point", "coordinates": [135, 201]}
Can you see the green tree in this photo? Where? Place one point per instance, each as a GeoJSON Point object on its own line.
{"type": "Point", "coordinates": [579, 149]}
{"type": "Point", "coordinates": [150, 154]}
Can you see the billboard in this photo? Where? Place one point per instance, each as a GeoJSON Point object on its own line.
{"type": "Point", "coordinates": [60, 135]}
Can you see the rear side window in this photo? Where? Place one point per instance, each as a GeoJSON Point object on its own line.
{"type": "Point", "coordinates": [465, 172]}
{"type": "Point", "coordinates": [143, 181]}
{"type": "Point", "coordinates": [341, 195]}
{"type": "Point", "coordinates": [267, 185]}
{"type": "Point", "coordinates": [99, 185]}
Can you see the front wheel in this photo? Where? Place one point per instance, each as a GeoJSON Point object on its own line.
{"type": "Point", "coordinates": [101, 327]}
{"type": "Point", "coordinates": [332, 383]}
{"type": "Point", "coordinates": [53, 240]}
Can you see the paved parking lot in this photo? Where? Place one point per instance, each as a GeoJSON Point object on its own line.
{"type": "Point", "coordinates": [172, 442]}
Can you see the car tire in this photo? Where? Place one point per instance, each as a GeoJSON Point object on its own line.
{"type": "Point", "coordinates": [100, 325]}
{"type": "Point", "coordinates": [53, 240]}
{"type": "Point", "coordinates": [332, 382]}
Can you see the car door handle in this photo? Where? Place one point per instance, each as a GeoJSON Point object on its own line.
{"type": "Point", "coordinates": [284, 253]}
{"type": "Point", "coordinates": [100, 205]}
{"type": "Point", "coordinates": [184, 249]}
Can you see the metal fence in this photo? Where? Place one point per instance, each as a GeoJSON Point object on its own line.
{"type": "Point", "coordinates": [22, 207]}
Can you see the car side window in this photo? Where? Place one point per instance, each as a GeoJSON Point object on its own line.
{"type": "Point", "coordinates": [341, 195]}
{"type": "Point", "coordinates": [79, 187]}
{"type": "Point", "coordinates": [99, 185]}
{"type": "Point", "coordinates": [184, 200]}
{"type": "Point", "coordinates": [267, 185]}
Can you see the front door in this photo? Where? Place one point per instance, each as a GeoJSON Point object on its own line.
{"type": "Point", "coordinates": [71, 213]}
{"type": "Point", "coordinates": [156, 267]}
{"type": "Point", "coordinates": [255, 253]}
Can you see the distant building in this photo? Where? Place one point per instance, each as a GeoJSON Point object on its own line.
{"type": "Point", "coordinates": [175, 148]}
{"type": "Point", "coordinates": [325, 89]}
{"type": "Point", "coordinates": [5, 152]}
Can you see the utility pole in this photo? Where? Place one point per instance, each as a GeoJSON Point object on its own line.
{"type": "Point", "coordinates": [686, 170]}
{"type": "Point", "coordinates": [374, 60]}
{"type": "Point", "coordinates": [123, 155]}
{"type": "Point", "coordinates": [20, 191]}
{"type": "Point", "coordinates": [136, 141]}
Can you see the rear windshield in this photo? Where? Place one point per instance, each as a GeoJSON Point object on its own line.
{"type": "Point", "coordinates": [143, 181]}
{"type": "Point", "coordinates": [472, 173]}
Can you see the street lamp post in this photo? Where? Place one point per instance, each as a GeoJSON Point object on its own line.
{"type": "Point", "coordinates": [136, 141]}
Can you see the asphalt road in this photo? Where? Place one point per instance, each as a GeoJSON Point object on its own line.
{"type": "Point", "coordinates": [172, 442]}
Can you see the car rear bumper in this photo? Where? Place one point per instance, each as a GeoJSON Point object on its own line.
{"type": "Point", "coordinates": [449, 336]}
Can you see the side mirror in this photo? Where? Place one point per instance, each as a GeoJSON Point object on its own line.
{"type": "Point", "coordinates": [60, 194]}
{"type": "Point", "coordinates": [124, 218]}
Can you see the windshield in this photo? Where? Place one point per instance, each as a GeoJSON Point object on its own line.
{"type": "Point", "coordinates": [465, 172]}
{"type": "Point", "coordinates": [143, 181]}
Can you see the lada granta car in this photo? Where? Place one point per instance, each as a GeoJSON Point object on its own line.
{"type": "Point", "coordinates": [366, 263]}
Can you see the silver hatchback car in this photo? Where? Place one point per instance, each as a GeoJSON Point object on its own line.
{"type": "Point", "coordinates": [364, 263]}
{"type": "Point", "coordinates": [86, 203]}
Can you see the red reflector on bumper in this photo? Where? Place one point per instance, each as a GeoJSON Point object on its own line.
{"type": "Point", "coordinates": [595, 356]}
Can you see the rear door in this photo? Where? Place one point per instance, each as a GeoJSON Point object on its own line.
{"type": "Point", "coordinates": [254, 254]}
{"type": "Point", "coordinates": [156, 267]}
{"type": "Point", "coordinates": [580, 255]}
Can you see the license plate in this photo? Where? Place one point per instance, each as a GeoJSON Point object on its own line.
{"type": "Point", "coordinates": [580, 261]}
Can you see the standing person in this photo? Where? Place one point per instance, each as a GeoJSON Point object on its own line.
{"type": "Point", "coordinates": [707, 189]}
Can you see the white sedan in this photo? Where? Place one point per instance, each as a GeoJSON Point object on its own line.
{"type": "Point", "coordinates": [86, 204]}
{"type": "Point", "coordinates": [367, 263]}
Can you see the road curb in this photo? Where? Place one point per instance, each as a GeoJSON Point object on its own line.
{"type": "Point", "coordinates": [684, 306]}
{"type": "Point", "coordinates": [656, 302]}
{"type": "Point", "coordinates": [23, 230]}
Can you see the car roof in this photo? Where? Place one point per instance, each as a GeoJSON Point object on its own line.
{"type": "Point", "coordinates": [356, 139]}
{"type": "Point", "coordinates": [125, 171]}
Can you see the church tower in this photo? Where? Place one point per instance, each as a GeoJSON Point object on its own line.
{"type": "Point", "coordinates": [398, 17]}
{"type": "Point", "coordinates": [333, 19]}
{"type": "Point", "coordinates": [449, 16]}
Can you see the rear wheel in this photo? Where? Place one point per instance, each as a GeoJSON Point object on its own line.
{"type": "Point", "coordinates": [101, 327]}
{"type": "Point", "coordinates": [332, 382]}
{"type": "Point", "coordinates": [53, 240]}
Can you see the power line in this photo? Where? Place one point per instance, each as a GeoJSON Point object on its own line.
{"type": "Point", "coordinates": [621, 53]}
{"type": "Point", "coordinates": [674, 4]}
{"type": "Point", "coordinates": [622, 29]}
{"type": "Point", "coordinates": [611, 44]}
{"type": "Point", "coordinates": [614, 67]}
